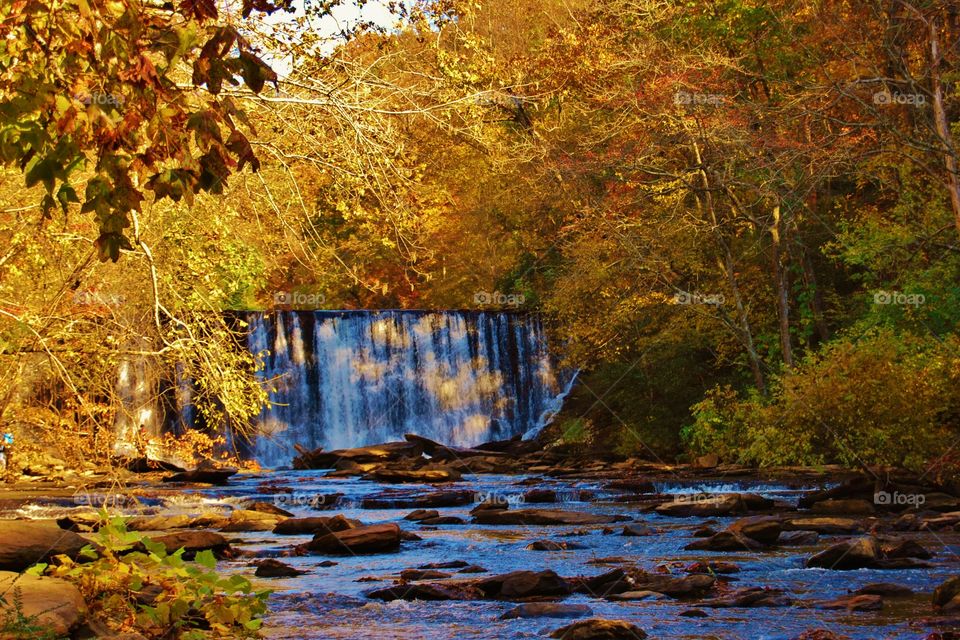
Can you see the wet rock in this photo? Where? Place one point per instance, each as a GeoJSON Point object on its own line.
{"type": "Point", "coordinates": [193, 541]}
{"type": "Point", "coordinates": [725, 541]}
{"type": "Point", "coordinates": [856, 554]}
{"type": "Point", "coordinates": [313, 525]}
{"type": "Point", "coordinates": [431, 592]}
{"type": "Point", "coordinates": [443, 520]}
{"type": "Point", "coordinates": [547, 610]}
{"type": "Point", "coordinates": [386, 452]}
{"type": "Point", "coordinates": [946, 597]}
{"type": "Point", "coordinates": [837, 507]}
{"type": "Point", "coordinates": [750, 597]}
{"type": "Point", "coordinates": [453, 564]}
{"type": "Point", "coordinates": [524, 584]}
{"type": "Point", "coordinates": [824, 524]}
{"type": "Point", "coordinates": [53, 604]}
{"type": "Point", "coordinates": [413, 575]}
{"type": "Point", "coordinates": [798, 538]}
{"type": "Point", "coordinates": [712, 566]}
{"type": "Point", "coordinates": [694, 613]}
{"type": "Point", "coordinates": [271, 568]}
{"type": "Point", "coordinates": [246, 520]}
{"type": "Point", "coordinates": [635, 485]}
{"type": "Point", "coordinates": [632, 596]}
{"type": "Point", "coordinates": [415, 475]}
{"type": "Point", "coordinates": [81, 522]}
{"type": "Point", "coordinates": [550, 545]}
{"type": "Point", "coordinates": [692, 585]}
{"type": "Point", "coordinates": [886, 589]}
{"type": "Point", "coordinates": [708, 461]}
{"type": "Point", "coordinates": [704, 506]}
{"type": "Point", "coordinates": [865, 602]}
{"type": "Point", "coordinates": [905, 549]}
{"type": "Point", "coordinates": [379, 538]}
{"type": "Point", "coordinates": [203, 475]}
{"type": "Point", "coordinates": [763, 529]}
{"type": "Point", "coordinates": [638, 529]}
{"type": "Point", "coordinates": [23, 544]}
{"type": "Point", "coordinates": [611, 582]}
{"type": "Point", "coordinates": [536, 496]}
{"type": "Point", "coordinates": [473, 568]}
{"type": "Point", "coordinates": [419, 500]}
{"type": "Point", "coordinates": [421, 514]}
{"type": "Point", "coordinates": [267, 507]}
{"type": "Point", "coordinates": [542, 517]}
{"type": "Point", "coordinates": [599, 629]}
{"type": "Point", "coordinates": [704, 532]}
{"type": "Point", "coordinates": [409, 536]}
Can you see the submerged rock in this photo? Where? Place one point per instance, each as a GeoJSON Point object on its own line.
{"type": "Point", "coordinates": [550, 545]}
{"type": "Point", "coordinates": [542, 517]}
{"type": "Point", "coordinates": [861, 602]}
{"type": "Point", "coordinates": [547, 610]}
{"type": "Point", "coordinates": [271, 568]}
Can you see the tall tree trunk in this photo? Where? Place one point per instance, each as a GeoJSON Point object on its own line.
{"type": "Point", "coordinates": [782, 286]}
{"type": "Point", "coordinates": [942, 123]}
{"type": "Point", "coordinates": [816, 298]}
{"type": "Point", "coordinates": [747, 338]}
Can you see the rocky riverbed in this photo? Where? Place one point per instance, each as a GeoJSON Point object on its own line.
{"type": "Point", "coordinates": [574, 550]}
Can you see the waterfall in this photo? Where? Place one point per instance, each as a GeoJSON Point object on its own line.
{"type": "Point", "coordinates": [341, 379]}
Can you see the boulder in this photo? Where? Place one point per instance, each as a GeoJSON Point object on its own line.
{"type": "Point", "coordinates": [638, 529]}
{"type": "Point", "coordinates": [542, 517]}
{"type": "Point", "coordinates": [599, 629]}
{"type": "Point", "coordinates": [443, 520]}
{"type": "Point", "coordinates": [824, 525]}
{"type": "Point", "coordinates": [414, 575]}
{"type": "Point", "coordinates": [313, 526]}
{"type": "Point", "coordinates": [692, 585]}
{"type": "Point", "coordinates": [54, 604]}
{"type": "Point", "coordinates": [524, 584]}
{"type": "Point", "coordinates": [725, 541]}
{"type": "Point", "coordinates": [267, 507]}
{"type": "Point", "coordinates": [24, 543]}
{"type": "Point", "coordinates": [547, 610]}
{"type": "Point", "coordinates": [535, 496]}
{"type": "Point", "coordinates": [550, 545]}
{"type": "Point", "coordinates": [271, 568]}
{"type": "Point", "coordinates": [763, 529]}
{"type": "Point", "coordinates": [159, 523]}
{"type": "Point", "coordinates": [946, 597]}
{"type": "Point", "coordinates": [856, 554]}
{"type": "Point", "coordinates": [712, 567]}
{"type": "Point", "coordinates": [705, 505]}
{"type": "Point", "coordinates": [203, 475]}
{"type": "Point", "coordinates": [905, 549]}
{"type": "Point", "coordinates": [422, 514]}
{"type": "Point", "coordinates": [415, 475]}
{"type": "Point", "coordinates": [246, 520]}
{"type": "Point", "coordinates": [798, 538]}
{"type": "Point", "coordinates": [378, 538]}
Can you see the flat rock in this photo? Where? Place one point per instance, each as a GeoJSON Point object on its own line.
{"type": "Point", "coordinates": [750, 597]}
{"type": "Point", "coordinates": [24, 543]}
{"type": "Point", "coordinates": [856, 554]}
{"type": "Point", "coordinates": [822, 524]}
{"type": "Point", "coordinates": [203, 476]}
{"type": "Point", "coordinates": [638, 529]}
{"type": "Point", "coordinates": [600, 629]}
{"type": "Point", "coordinates": [763, 529]}
{"type": "Point", "coordinates": [542, 517]}
{"type": "Point", "coordinates": [313, 525]}
{"type": "Point", "coordinates": [54, 604]}
{"type": "Point", "coordinates": [430, 500]}
{"type": "Point", "coordinates": [524, 584]}
{"type": "Point", "coordinates": [839, 507]}
{"type": "Point", "coordinates": [415, 475]}
{"type": "Point", "coordinates": [631, 596]}
{"type": "Point", "coordinates": [798, 538]}
{"type": "Point", "coordinates": [863, 602]}
{"type": "Point", "coordinates": [886, 589]}
{"type": "Point", "coordinates": [551, 545]}
{"type": "Point", "coordinates": [379, 538]}
{"type": "Point", "coordinates": [547, 610]}
{"type": "Point", "coordinates": [704, 506]}
{"type": "Point", "coordinates": [725, 541]}
{"type": "Point", "coordinates": [692, 585]}
{"type": "Point", "coordinates": [247, 520]}
{"type": "Point", "coordinates": [421, 514]}
{"type": "Point", "coordinates": [414, 575]}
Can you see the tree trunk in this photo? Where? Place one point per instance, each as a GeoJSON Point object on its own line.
{"type": "Point", "coordinates": [942, 123]}
{"type": "Point", "coordinates": [783, 287]}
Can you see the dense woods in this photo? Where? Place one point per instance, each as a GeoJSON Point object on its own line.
{"type": "Point", "coordinates": [740, 219]}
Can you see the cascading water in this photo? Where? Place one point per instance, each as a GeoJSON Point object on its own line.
{"type": "Point", "coordinates": [351, 378]}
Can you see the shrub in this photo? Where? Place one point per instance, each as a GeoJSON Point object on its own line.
{"type": "Point", "coordinates": [880, 399]}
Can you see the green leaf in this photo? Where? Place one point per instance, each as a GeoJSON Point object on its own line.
{"type": "Point", "coordinates": [206, 558]}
